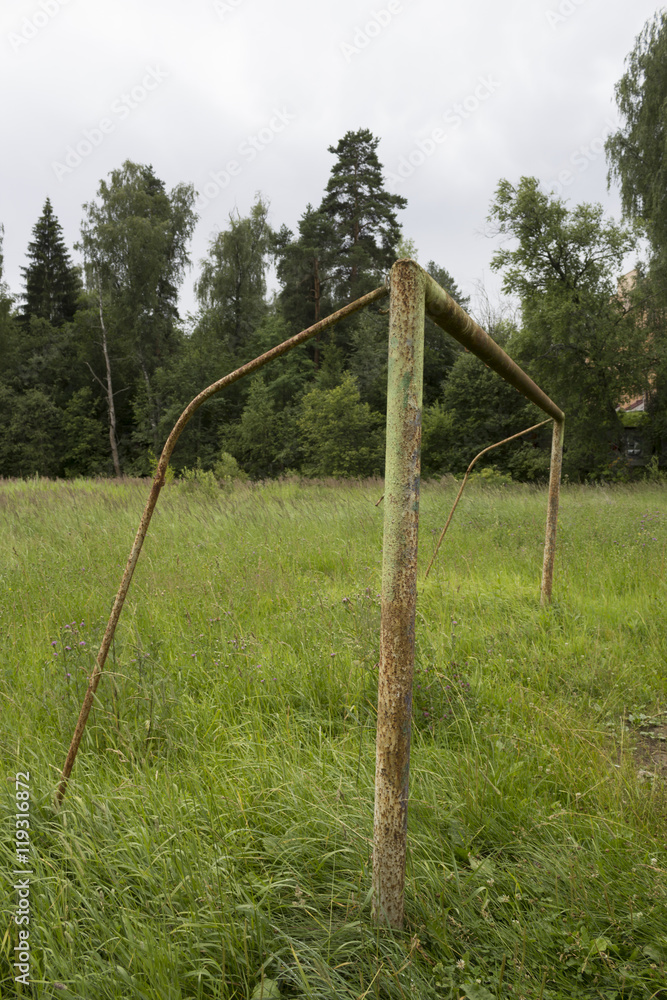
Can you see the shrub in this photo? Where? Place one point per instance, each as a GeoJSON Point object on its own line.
{"type": "Point", "coordinates": [227, 469]}
{"type": "Point", "coordinates": [200, 481]}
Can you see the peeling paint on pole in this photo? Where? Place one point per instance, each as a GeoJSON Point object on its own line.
{"type": "Point", "coordinates": [399, 588]}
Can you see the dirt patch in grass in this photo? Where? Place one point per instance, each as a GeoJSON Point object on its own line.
{"type": "Point", "coordinates": [651, 750]}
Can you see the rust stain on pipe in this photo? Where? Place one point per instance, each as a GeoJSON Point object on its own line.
{"type": "Point", "coordinates": [399, 589]}
{"type": "Point", "coordinates": [444, 311]}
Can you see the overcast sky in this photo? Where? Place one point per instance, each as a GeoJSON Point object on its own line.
{"type": "Point", "coordinates": [240, 96]}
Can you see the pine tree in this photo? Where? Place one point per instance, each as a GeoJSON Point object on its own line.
{"type": "Point", "coordinates": [304, 268]}
{"type": "Point", "coordinates": [52, 283]}
{"type": "Point", "coordinates": [366, 231]}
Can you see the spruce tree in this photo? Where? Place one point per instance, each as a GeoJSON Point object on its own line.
{"type": "Point", "coordinates": [52, 283]}
{"type": "Point", "coordinates": [366, 231]}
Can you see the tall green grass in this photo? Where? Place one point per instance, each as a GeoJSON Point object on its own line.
{"type": "Point", "coordinates": [215, 841]}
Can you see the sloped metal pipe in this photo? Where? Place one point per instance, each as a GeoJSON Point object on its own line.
{"type": "Point", "coordinates": [158, 483]}
{"type": "Point", "coordinates": [451, 318]}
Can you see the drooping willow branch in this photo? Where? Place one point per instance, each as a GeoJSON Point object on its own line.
{"type": "Point", "coordinates": [158, 483]}
{"type": "Point", "coordinates": [465, 479]}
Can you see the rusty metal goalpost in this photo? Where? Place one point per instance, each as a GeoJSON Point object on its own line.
{"type": "Point", "coordinates": [413, 294]}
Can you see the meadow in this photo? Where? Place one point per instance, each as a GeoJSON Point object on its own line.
{"type": "Point", "coordinates": [215, 840]}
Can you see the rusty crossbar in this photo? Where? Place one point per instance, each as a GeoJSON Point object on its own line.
{"type": "Point", "coordinates": [413, 294]}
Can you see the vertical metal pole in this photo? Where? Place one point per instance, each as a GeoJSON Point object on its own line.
{"type": "Point", "coordinates": [552, 510]}
{"type": "Point", "coordinates": [399, 588]}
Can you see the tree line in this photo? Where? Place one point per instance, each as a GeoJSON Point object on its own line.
{"type": "Point", "coordinates": [96, 364]}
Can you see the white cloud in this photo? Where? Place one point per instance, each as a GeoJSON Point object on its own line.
{"type": "Point", "coordinates": [229, 68]}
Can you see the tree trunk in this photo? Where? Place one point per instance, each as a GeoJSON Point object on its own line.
{"type": "Point", "coordinates": [110, 402]}
{"type": "Point", "coordinates": [316, 290]}
{"type": "Point", "coordinates": [151, 406]}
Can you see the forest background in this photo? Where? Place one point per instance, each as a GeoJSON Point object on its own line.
{"type": "Point", "coordinates": [96, 364]}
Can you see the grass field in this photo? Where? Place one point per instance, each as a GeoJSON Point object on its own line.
{"type": "Point", "coordinates": [215, 841]}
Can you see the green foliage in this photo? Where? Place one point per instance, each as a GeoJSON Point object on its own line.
{"type": "Point", "coordinates": [636, 151]}
{"type": "Point", "coordinates": [367, 357]}
{"type": "Point", "coordinates": [264, 438]}
{"type": "Point", "coordinates": [440, 349]}
{"type": "Point", "coordinates": [31, 439]}
{"type": "Point", "coordinates": [363, 213]}
{"type": "Point", "coordinates": [153, 461]}
{"type": "Point", "coordinates": [636, 418]}
{"type": "Point", "coordinates": [305, 270]}
{"type": "Point", "coordinates": [340, 435]}
{"type": "Point", "coordinates": [134, 239]}
{"type": "Point", "coordinates": [637, 159]}
{"type": "Point", "coordinates": [442, 276]}
{"type": "Point", "coordinates": [653, 473]}
{"type": "Point", "coordinates": [199, 482]}
{"type": "Point", "coordinates": [85, 452]}
{"type": "Point", "coordinates": [52, 283]}
{"type": "Point", "coordinates": [489, 476]}
{"type": "Point", "coordinates": [406, 248]}
{"type": "Point", "coordinates": [8, 327]}
{"type": "Point", "coordinates": [479, 408]}
{"type": "Point", "coordinates": [232, 284]}
{"type": "Point", "coordinates": [579, 342]}
{"type": "Point", "coordinates": [439, 433]}
{"type": "Point", "coordinates": [227, 469]}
